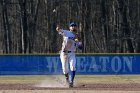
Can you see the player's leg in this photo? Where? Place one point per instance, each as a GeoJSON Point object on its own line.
{"type": "Point", "coordinates": [65, 68]}
{"type": "Point", "coordinates": [72, 61]}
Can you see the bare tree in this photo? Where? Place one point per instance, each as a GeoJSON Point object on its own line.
{"type": "Point", "coordinates": [7, 30]}
{"type": "Point", "coordinates": [28, 26]}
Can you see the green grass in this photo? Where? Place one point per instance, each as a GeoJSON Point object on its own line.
{"type": "Point", "coordinates": [86, 79]}
{"type": "Point", "coordinates": [108, 79]}
{"type": "Point", "coordinates": [22, 79]}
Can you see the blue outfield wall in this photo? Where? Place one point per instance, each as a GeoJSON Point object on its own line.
{"type": "Point", "coordinates": [86, 64]}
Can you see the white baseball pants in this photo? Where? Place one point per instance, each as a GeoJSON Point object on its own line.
{"type": "Point", "coordinates": [68, 60]}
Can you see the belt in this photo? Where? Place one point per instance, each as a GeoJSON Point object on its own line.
{"type": "Point", "coordinates": [67, 51]}
{"type": "Point", "coordinates": [71, 38]}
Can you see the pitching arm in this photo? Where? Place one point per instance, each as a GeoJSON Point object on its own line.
{"type": "Point", "coordinates": [61, 31]}
{"type": "Point", "coordinates": [58, 28]}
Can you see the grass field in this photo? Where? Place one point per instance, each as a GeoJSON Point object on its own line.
{"type": "Point", "coordinates": [80, 79]}
{"type": "Point", "coordinates": [22, 79]}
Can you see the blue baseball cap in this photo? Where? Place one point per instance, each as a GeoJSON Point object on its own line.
{"type": "Point", "coordinates": [72, 24]}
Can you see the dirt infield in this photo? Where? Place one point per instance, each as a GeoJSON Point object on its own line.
{"type": "Point", "coordinates": [83, 84]}
{"type": "Point", "coordinates": [122, 87]}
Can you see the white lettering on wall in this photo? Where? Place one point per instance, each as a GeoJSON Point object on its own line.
{"type": "Point", "coordinates": [104, 61]}
{"type": "Point", "coordinates": [99, 64]}
{"type": "Point", "coordinates": [127, 63]}
{"type": "Point", "coordinates": [116, 64]}
{"type": "Point", "coordinates": [93, 67]}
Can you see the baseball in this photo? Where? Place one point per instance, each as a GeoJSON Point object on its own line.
{"type": "Point", "coordinates": [54, 10]}
{"type": "Point", "coordinates": [76, 39]}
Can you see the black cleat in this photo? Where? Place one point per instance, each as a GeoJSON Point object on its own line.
{"type": "Point", "coordinates": [70, 85]}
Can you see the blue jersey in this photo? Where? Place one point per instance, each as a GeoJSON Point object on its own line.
{"type": "Point", "coordinates": [69, 43]}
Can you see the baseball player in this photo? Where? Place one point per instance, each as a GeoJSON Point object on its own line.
{"type": "Point", "coordinates": [67, 53]}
